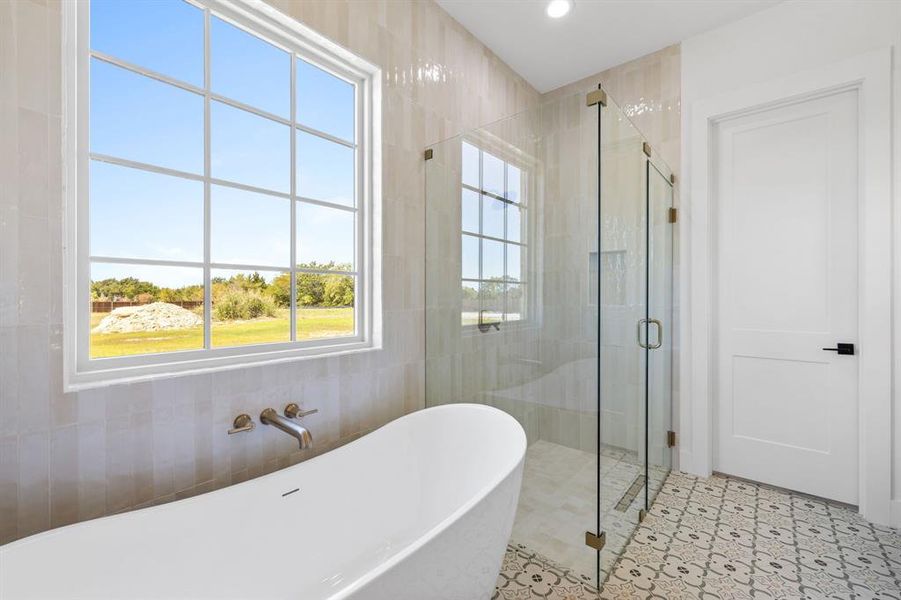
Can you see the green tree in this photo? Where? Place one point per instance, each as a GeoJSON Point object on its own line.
{"type": "Point", "coordinates": [187, 293]}
{"type": "Point", "coordinates": [248, 283]}
{"type": "Point", "coordinates": [127, 288]}
{"type": "Point", "coordinates": [338, 291]}
{"type": "Point", "coordinates": [493, 289]}
{"type": "Point", "coordinates": [310, 289]}
{"type": "Point", "coordinates": [255, 281]}
{"type": "Point", "coordinates": [243, 304]}
{"type": "Point", "coordinates": [313, 289]}
{"type": "Point", "coordinates": [280, 290]}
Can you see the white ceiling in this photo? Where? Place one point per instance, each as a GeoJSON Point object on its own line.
{"type": "Point", "coordinates": [594, 36]}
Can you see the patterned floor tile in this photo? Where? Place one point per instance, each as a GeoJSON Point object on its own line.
{"type": "Point", "coordinates": [722, 538]}
{"type": "Point", "coordinates": [526, 575]}
{"type": "Point", "coordinates": [710, 539]}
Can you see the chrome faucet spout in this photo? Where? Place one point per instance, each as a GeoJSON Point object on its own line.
{"type": "Point", "coordinates": [292, 428]}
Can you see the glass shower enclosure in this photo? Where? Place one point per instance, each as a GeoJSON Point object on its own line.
{"type": "Point", "coordinates": [549, 296]}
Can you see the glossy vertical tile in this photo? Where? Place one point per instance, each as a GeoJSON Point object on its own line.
{"type": "Point", "coordinates": [33, 482]}
{"type": "Point", "coordinates": [9, 488]}
{"type": "Point", "coordinates": [143, 443]}
{"type": "Point", "coordinates": [64, 476]}
{"type": "Point", "coordinates": [92, 470]}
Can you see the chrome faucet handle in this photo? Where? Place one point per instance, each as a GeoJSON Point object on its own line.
{"type": "Point", "coordinates": [292, 411]}
{"type": "Point", "coordinates": [242, 422]}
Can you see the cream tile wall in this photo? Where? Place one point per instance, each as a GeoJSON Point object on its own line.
{"type": "Point", "coordinates": [644, 103]}
{"type": "Point", "coordinates": [648, 90]}
{"type": "Point", "coordinates": [464, 364]}
{"type": "Point", "coordinates": [70, 457]}
{"type": "Point", "coordinates": [545, 374]}
{"type": "Point", "coordinates": [569, 327]}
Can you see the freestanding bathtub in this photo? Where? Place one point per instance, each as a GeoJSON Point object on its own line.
{"type": "Point", "coordinates": [420, 509]}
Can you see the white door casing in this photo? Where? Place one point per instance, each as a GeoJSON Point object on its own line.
{"type": "Point", "coordinates": [870, 75]}
{"type": "Point", "coordinates": [785, 266]}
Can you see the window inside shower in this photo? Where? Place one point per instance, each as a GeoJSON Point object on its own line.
{"type": "Point", "coordinates": [493, 239]}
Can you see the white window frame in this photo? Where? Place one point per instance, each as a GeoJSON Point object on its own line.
{"type": "Point", "coordinates": [80, 371]}
{"type": "Point", "coordinates": [487, 142]}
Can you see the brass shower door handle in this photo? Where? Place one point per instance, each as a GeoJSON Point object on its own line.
{"type": "Point", "coordinates": [645, 344]}
{"type": "Point", "coordinates": [638, 333]}
{"type": "Point", "coordinates": [659, 334]}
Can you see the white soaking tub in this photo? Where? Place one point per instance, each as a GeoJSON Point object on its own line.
{"type": "Point", "coordinates": [420, 509]}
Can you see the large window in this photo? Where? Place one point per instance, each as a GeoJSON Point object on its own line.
{"type": "Point", "coordinates": [493, 217]}
{"type": "Point", "coordinates": [224, 170]}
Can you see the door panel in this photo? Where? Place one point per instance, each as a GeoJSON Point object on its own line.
{"type": "Point", "coordinates": [763, 387]}
{"type": "Point", "coordinates": [786, 190]}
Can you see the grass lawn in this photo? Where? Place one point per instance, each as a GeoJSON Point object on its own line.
{"type": "Point", "coordinates": [312, 323]}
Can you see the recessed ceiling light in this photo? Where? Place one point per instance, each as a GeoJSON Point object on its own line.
{"type": "Point", "coordinates": [558, 8]}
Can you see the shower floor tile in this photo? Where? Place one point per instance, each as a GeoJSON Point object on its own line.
{"type": "Point", "coordinates": [558, 504]}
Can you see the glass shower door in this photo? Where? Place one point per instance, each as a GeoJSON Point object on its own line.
{"type": "Point", "coordinates": [631, 262]}
{"type": "Point", "coordinates": [659, 328]}
{"type": "Point", "coordinates": [622, 281]}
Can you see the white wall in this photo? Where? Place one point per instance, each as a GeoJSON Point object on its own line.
{"type": "Point", "coordinates": [791, 37]}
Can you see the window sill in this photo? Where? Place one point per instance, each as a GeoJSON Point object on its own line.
{"type": "Point", "coordinates": [77, 380]}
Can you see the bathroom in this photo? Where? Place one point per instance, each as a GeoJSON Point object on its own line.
{"type": "Point", "coordinates": [494, 323]}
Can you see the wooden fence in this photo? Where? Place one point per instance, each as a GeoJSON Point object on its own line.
{"type": "Point", "coordinates": [105, 306]}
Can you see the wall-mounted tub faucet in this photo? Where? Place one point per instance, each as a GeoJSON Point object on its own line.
{"type": "Point", "coordinates": [485, 326]}
{"type": "Point", "coordinates": [289, 426]}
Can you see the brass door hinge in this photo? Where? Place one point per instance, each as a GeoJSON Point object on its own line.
{"type": "Point", "coordinates": [595, 541]}
{"type": "Point", "coordinates": [428, 154]}
{"type": "Point", "coordinates": [673, 215]}
{"type": "Point", "coordinates": [671, 439]}
{"type": "Point", "coordinates": [597, 96]}
{"type": "Point", "coordinates": [646, 148]}
{"type": "Point", "coordinates": [672, 178]}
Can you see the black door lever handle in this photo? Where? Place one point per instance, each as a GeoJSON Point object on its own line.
{"type": "Point", "coordinates": [843, 348]}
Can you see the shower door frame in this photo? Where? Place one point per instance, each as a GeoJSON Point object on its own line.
{"type": "Point", "coordinates": [598, 540]}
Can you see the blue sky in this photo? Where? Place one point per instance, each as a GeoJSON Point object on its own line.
{"type": "Point", "coordinates": [137, 214]}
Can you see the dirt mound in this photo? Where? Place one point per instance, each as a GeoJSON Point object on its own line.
{"type": "Point", "coordinates": [147, 317]}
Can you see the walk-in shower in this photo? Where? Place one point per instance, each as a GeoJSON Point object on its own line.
{"type": "Point", "coordinates": [549, 252]}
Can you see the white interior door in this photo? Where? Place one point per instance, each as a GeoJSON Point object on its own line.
{"type": "Point", "coordinates": [786, 271]}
